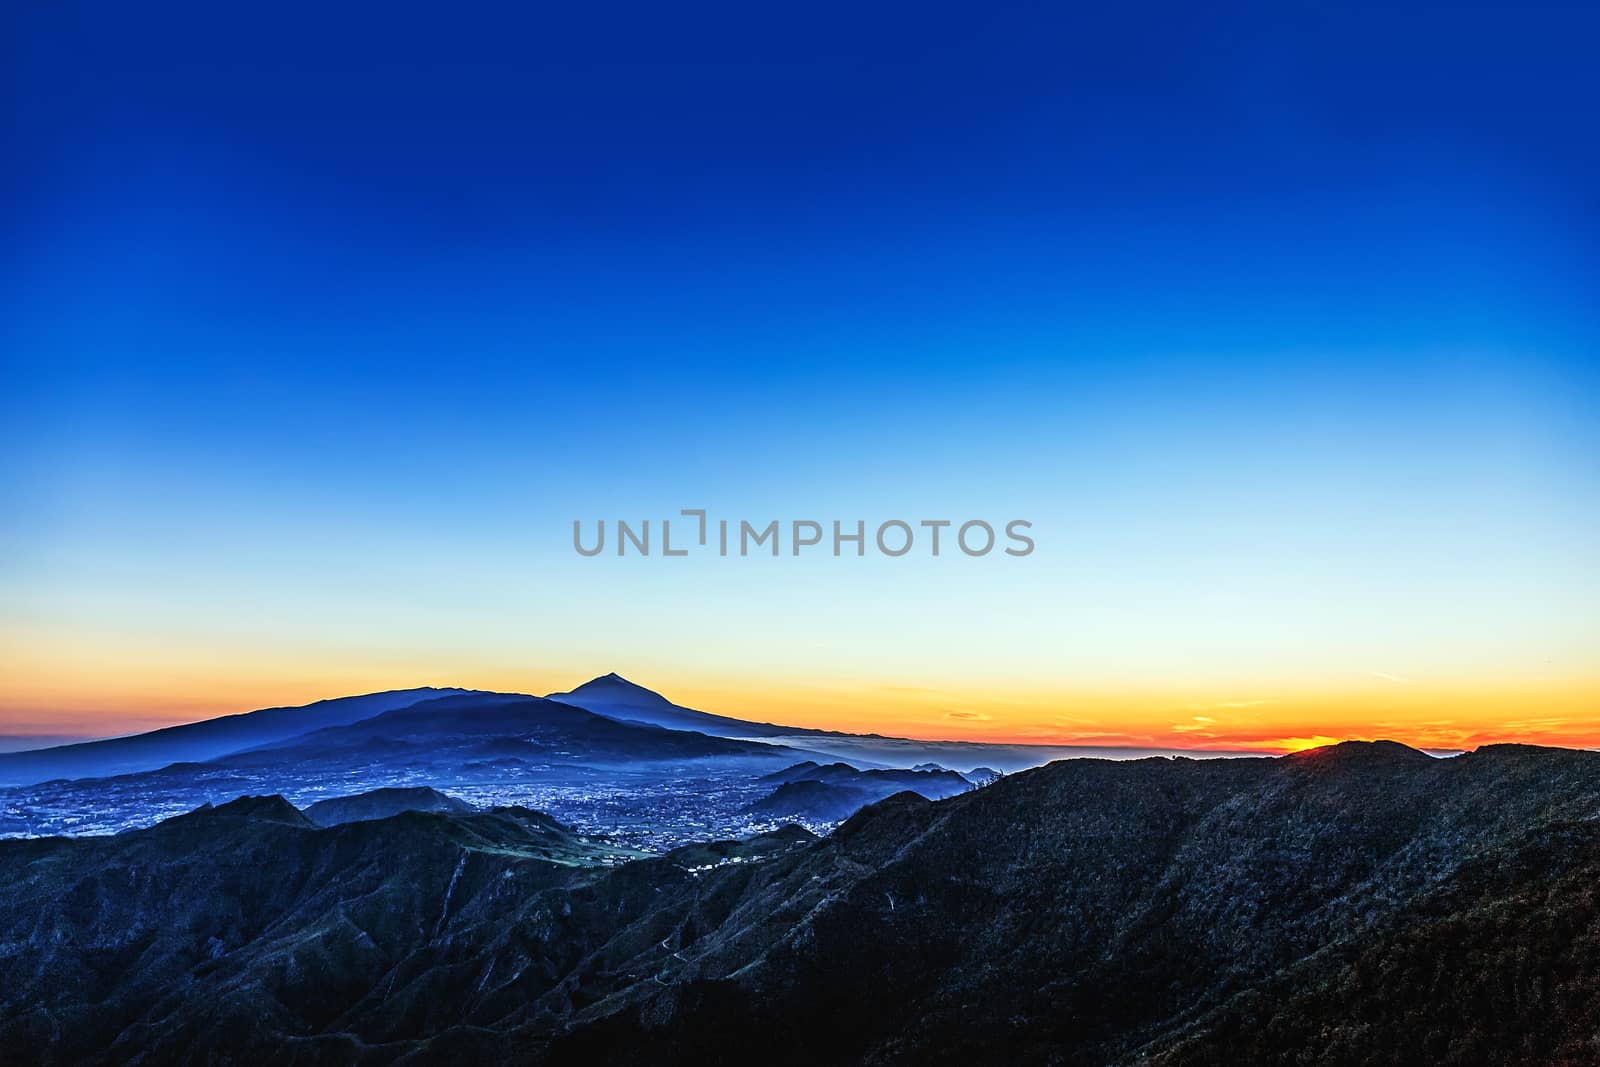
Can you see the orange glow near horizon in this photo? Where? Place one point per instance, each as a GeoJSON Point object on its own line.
{"type": "Point", "coordinates": [63, 692]}
{"type": "Point", "coordinates": [1277, 720]}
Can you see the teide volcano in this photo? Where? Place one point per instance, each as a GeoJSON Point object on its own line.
{"type": "Point", "coordinates": [615, 697]}
{"type": "Point", "coordinates": [627, 761]}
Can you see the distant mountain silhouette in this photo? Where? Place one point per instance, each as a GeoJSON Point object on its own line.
{"type": "Point", "coordinates": [935, 778]}
{"type": "Point", "coordinates": [382, 803]}
{"type": "Point", "coordinates": [836, 791]}
{"type": "Point", "coordinates": [490, 725]}
{"type": "Point", "coordinates": [615, 697]}
{"type": "Point", "coordinates": [609, 696]}
{"type": "Point", "coordinates": [196, 741]}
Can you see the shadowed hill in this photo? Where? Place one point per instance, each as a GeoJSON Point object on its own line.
{"type": "Point", "coordinates": [199, 740]}
{"type": "Point", "coordinates": [473, 724]}
{"type": "Point", "coordinates": [382, 803]}
{"type": "Point", "coordinates": [1499, 964]}
{"type": "Point", "coordinates": [828, 793]}
{"type": "Point", "coordinates": [1088, 912]}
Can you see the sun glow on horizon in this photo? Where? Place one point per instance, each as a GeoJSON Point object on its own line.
{"type": "Point", "coordinates": [61, 689]}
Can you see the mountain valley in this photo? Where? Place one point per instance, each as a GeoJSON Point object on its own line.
{"type": "Point", "coordinates": [1162, 911]}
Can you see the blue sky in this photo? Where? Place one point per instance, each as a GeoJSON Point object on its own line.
{"type": "Point", "coordinates": [1277, 321]}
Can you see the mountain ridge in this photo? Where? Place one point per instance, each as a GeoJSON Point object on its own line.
{"type": "Point", "coordinates": [200, 740]}
{"type": "Point", "coordinates": [1084, 912]}
{"type": "Point", "coordinates": [382, 803]}
{"type": "Point", "coordinates": [610, 695]}
{"type": "Point", "coordinates": [616, 697]}
{"type": "Point", "coordinates": [496, 715]}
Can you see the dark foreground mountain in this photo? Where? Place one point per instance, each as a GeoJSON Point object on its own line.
{"type": "Point", "coordinates": [1362, 904]}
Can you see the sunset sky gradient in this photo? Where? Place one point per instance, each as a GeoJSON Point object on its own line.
{"type": "Point", "coordinates": [1279, 324]}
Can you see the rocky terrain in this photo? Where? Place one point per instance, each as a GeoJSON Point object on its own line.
{"type": "Point", "coordinates": [1359, 904]}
